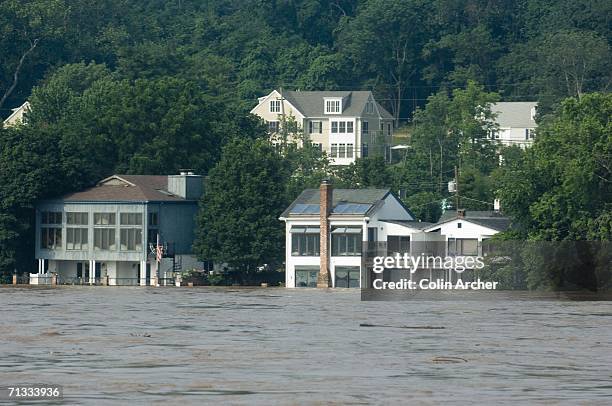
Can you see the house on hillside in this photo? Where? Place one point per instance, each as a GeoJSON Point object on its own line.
{"type": "Point", "coordinates": [110, 233]}
{"type": "Point", "coordinates": [17, 116]}
{"type": "Point", "coordinates": [345, 124]}
{"type": "Point", "coordinates": [516, 123]}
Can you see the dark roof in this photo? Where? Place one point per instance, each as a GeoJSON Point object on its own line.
{"type": "Point", "coordinates": [126, 188]}
{"type": "Point", "coordinates": [419, 225]}
{"type": "Point", "coordinates": [311, 103]}
{"type": "Point", "coordinates": [368, 197]}
{"type": "Point", "coordinates": [490, 219]}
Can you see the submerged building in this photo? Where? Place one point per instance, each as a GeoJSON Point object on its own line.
{"type": "Point", "coordinates": [118, 231]}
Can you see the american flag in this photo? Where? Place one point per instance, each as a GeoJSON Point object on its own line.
{"type": "Point", "coordinates": [159, 250]}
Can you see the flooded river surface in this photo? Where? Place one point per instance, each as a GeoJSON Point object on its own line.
{"type": "Point", "coordinates": [281, 346]}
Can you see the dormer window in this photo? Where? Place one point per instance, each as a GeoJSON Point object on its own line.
{"type": "Point", "coordinates": [369, 107]}
{"type": "Point", "coordinates": [275, 106]}
{"type": "Point", "coordinates": [333, 106]}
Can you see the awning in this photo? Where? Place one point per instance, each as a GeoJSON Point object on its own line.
{"type": "Point", "coordinates": [346, 230]}
{"type": "Point", "coordinates": [305, 230]}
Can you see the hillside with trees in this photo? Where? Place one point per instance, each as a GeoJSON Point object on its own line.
{"type": "Point", "coordinates": [149, 87]}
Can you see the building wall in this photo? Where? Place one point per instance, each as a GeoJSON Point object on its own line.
{"type": "Point", "coordinates": [467, 230]}
{"type": "Point", "coordinates": [514, 136]}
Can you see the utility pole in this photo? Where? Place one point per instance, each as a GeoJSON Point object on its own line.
{"type": "Point", "coordinates": [456, 189]}
{"type": "Point", "coordinates": [283, 121]}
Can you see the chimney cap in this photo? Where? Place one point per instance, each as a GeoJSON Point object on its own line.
{"type": "Point", "coordinates": [185, 172]}
{"type": "Point", "coordinates": [326, 181]}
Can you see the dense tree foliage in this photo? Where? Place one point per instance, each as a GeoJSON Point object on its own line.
{"type": "Point", "coordinates": [152, 86]}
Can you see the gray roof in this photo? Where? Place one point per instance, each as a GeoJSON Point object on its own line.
{"type": "Point", "coordinates": [514, 114]}
{"type": "Point", "coordinates": [360, 196]}
{"type": "Point", "coordinates": [490, 219]}
{"type": "Point", "coordinates": [310, 103]}
{"type": "Point", "coordinates": [419, 225]}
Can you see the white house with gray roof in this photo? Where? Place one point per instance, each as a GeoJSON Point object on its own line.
{"type": "Point", "coordinates": [345, 124]}
{"type": "Point", "coordinates": [327, 230]}
{"type": "Point", "coordinates": [516, 123]}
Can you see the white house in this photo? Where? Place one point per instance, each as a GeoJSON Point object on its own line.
{"type": "Point", "coordinates": [331, 235]}
{"type": "Point", "coordinates": [516, 123]}
{"type": "Point", "coordinates": [328, 230]}
{"type": "Point", "coordinates": [17, 115]}
{"type": "Point", "coordinates": [345, 124]}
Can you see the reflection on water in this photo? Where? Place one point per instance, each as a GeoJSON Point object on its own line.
{"type": "Point", "coordinates": [277, 346]}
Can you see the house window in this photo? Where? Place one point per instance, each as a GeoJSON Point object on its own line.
{"type": "Point", "coordinates": [306, 276]}
{"type": "Point", "coordinates": [51, 237]}
{"type": "Point", "coordinates": [365, 127]}
{"type": "Point", "coordinates": [398, 244]}
{"type": "Point", "coordinates": [273, 126]}
{"type": "Point", "coordinates": [349, 127]}
{"type": "Point", "coordinates": [332, 106]}
{"type": "Point", "coordinates": [342, 125]}
{"type": "Point", "coordinates": [76, 239]}
{"type": "Point", "coordinates": [349, 150]}
{"type": "Point", "coordinates": [318, 146]}
{"type": "Point", "coordinates": [76, 218]}
{"type": "Point", "coordinates": [341, 150]}
{"type": "Point", "coordinates": [364, 150]}
{"type": "Point", "coordinates": [529, 133]}
{"type": "Point", "coordinates": [347, 276]}
{"type": "Point", "coordinates": [104, 219]}
{"type": "Point", "coordinates": [305, 241]}
{"type": "Point", "coordinates": [275, 106]}
{"type": "Point", "coordinates": [315, 127]}
{"type": "Point", "coordinates": [104, 239]}
{"type": "Point", "coordinates": [130, 219]}
{"type": "Point", "coordinates": [462, 246]}
{"type": "Point", "coordinates": [389, 129]}
{"type": "Point", "coordinates": [51, 217]}
{"type": "Point", "coordinates": [334, 151]}
{"type": "Point", "coordinates": [153, 219]}
{"type": "Point", "coordinates": [131, 239]}
{"type": "Point", "coordinates": [346, 241]}
{"type": "Point", "coordinates": [458, 225]}
{"type": "Point", "coordinates": [369, 107]}
{"type": "Point", "coordinates": [334, 127]}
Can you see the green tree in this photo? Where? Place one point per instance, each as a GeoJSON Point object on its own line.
{"type": "Point", "coordinates": [238, 219]}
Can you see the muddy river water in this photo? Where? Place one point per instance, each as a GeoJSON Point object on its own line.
{"type": "Point", "coordinates": [280, 346]}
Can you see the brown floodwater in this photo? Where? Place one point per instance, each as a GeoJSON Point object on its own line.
{"type": "Point", "coordinates": [280, 346]}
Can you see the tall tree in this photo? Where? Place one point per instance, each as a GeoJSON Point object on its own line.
{"type": "Point", "coordinates": [238, 219]}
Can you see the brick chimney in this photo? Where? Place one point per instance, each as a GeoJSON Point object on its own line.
{"type": "Point", "coordinates": [461, 213]}
{"type": "Point", "coordinates": [326, 197]}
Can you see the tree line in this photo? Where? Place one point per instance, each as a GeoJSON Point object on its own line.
{"type": "Point", "coordinates": [149, 87]}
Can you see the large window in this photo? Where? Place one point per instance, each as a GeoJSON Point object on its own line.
{"type": "Point", "coordinates": [306, 276]}
{"type": "Point", "coordinates": [131, 219]}
{"type": "Point", "coordinates": [131, 239]}
{"type": "Point", "coordinates": [346, 241]}
{"type": "Point", "coordinates": [104, 239]}
{"type": "Point", "coordinates": [50, 238]}
{"type": "Point", "coordinates": [104, 219]}
{"type": "Point", "coordinates": [342, 127]}
{"type": "Point", "coordinates": [364, 150]}
{"type": "Point", "coordinates": [398, 244]}
{"type": "Point", "coordinates": [305, 241]}
{"type": "Point", "coordinates": [349, 150]}
{"type": "Point", "coordinates": [347, 276]}
{"type": "Point", "coordinates": [462, 246]}
{"type": "Point", "coordinates": [77, 218]}
{"type": "Point", "coordinates": [275, 106]}
{"type": "Point", "coordinates": [365, 127]}
{"type": "Point", "coordinates": [153, 231]}
{"type": "Point", "coordinates": [341, 150]}
{"type": "Point", "coordinates": [76, 238]}
{"type": "Point", "coordinates": [51, 217]}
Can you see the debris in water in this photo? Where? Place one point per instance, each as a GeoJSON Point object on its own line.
{"type": "Point", "coordinates": [407, 327]}
{"type": "Point", "coordinates": [448, 360]}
